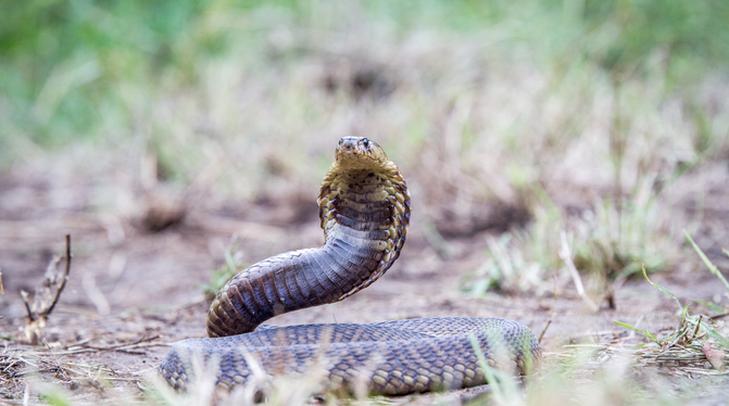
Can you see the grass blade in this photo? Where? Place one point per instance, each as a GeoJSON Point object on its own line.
{"type": "Point", "coordinates": [712, 268]}
{"type": "Point", "coordinates": [645, 333]}
{"type": "Point", "coordinates": [661, 288]}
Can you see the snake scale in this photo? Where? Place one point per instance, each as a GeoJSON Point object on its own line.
{"type": "Point", "coordinates": [364, 207]}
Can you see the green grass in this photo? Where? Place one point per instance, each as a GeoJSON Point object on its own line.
{"type": "Point", "coordinates": [606, 243]}
{"type": "Point", "coordinates": [579, 373]}
{"type": "Point", "coordinates": [74, 70]}
{"type": "Point", "coordinates": [583, 111]}
{"type": "Point", "coordinates": [212, 81]}
{"type": "Point", "coordinates": [697, 346]}
{"type": "Point", "coordinates": [488, 101]}
{"type": "Point", "coordinates": [220, 276]}
{"type": "Point", "coordinates": [697, 342]}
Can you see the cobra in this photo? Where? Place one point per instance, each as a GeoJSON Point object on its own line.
{"type": "Point", "coordinates": [364, 207]}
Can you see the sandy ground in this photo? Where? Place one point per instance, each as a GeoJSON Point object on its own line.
{"type": "Point", "coordinates": [131, 292]}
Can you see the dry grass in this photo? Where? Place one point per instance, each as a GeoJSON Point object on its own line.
{"type": "Point", "coordinates": [504, 140]}
{"type": "Point", "coordinates": [514, 126]}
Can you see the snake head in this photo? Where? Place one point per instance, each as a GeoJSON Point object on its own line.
{"type": "Point", "coordinates": [360, 153]}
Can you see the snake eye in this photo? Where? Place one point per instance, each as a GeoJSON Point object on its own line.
{"type": "Point", "coordinates": [365, 142]}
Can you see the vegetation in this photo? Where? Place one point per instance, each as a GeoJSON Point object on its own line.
{"type": "Point", "coordinates": [218, 278]}
{"type": "Point", "coordinates": [560, 126]}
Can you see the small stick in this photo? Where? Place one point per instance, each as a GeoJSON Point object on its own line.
{"type": "Point", "coordinates": [67, 270]}
{"type": "Point", "coordinates": [544, 330]}
{"type": "Point", "coordinates": [566, 256]}
{"type": "Point", "coordinates": [26, 302]}
{"type": "Point", "coordinates": [122, 345]}
{"type": "Point", "coordinates": [698, 324]}
{"type": "Point", "coordinates": [719, 316]}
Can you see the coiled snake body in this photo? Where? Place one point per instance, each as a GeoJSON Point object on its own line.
{"type": "Point", "coordinates": [364, 207]}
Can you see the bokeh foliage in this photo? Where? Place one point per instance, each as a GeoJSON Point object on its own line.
{"type": "Point", "coordinates": [68, 68]}
{"type": "Point", "coordinates": [65, 63]}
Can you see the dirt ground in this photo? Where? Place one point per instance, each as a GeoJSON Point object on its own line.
{"type": "Point", "coordinates": [131, 292]}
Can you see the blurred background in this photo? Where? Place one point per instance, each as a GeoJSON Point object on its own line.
{"type": "Point", "coordinates": [176, 140]}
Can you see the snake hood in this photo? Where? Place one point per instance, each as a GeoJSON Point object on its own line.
{"type": "Point", "coordinates": [365, 196]}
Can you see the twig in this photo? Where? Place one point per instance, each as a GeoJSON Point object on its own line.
{"type": "Point", "coordinates": [77, 343]}
{"type": "Point", "coordinates": [566, 256]}
{"type": "Point", "coordinates": [83, 347]}
{"type": "Point", "coordinates": [26, 302]}
{"type": "Point", "coordinates": [122, 345]}
{"type": "Point", "coordinates": [66, 272]}
{"type": "Point", "coordinates": [719, 316]}
{"type": "Point", "coordinates": [544, 330]}
{"type": "Point", "coordinates": [709, 265]}
{"type": "Point", "coordinates": [698, 325]}
{"type": "Point", "coordinates": [2, 287]}
{"type": "Point", "coordinates": [45, 297]}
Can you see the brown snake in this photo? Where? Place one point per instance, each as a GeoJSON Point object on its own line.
{"type": "Point", "coordinates": [364, 207]}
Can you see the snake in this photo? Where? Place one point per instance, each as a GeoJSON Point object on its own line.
{"type": "Point", "coordinates": [364, 211]}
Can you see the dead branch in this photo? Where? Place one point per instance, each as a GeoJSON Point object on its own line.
{"type": "Point", "coordinates": [44, 299]}
{"type": "Point", "coordinates": [45, 313]}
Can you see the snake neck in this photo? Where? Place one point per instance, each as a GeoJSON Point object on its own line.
{"type": "Point", "coordinates": [365, 212]}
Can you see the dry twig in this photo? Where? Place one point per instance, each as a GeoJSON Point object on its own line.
{"type": "Point", "coordinates": [44, 300]}
{"type": "Point", "coordinates": [544, 330]}
{"type": "Point", "coordinates": [719, 316]}
{"type": "Point", "coordinates": [566, 255]}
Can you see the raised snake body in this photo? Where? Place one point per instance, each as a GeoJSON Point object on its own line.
{"type": "Point", "coordinates": [364, 207]}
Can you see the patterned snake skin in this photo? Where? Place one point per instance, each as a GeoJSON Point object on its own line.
{"type": "Point", "coordinates": [364, 206]}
